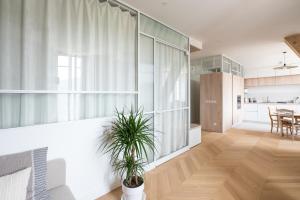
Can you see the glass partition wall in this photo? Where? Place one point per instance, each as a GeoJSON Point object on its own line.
{"type": "Point", "coordinates": [216, 63]}
{"type": "Point", "coordinates": [78, 59]}
{"type": "Point", "coordinates": [164, 84]}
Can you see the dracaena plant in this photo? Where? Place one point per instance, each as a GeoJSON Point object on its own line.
{"type": "Point", "coordinates": [129, 140]}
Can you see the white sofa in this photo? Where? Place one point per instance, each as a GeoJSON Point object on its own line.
{"type": "Point", "coordinates": [56, 181]}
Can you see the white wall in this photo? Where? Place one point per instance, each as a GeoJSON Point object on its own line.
{"type": "Point", "coordinates": [89, 174]}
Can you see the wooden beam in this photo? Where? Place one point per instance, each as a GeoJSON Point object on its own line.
{"type": "Point", "coordinates": [293, 41]}
{"type": "Point", "coordinates": [195, 45]}
{"type": "Point", "coordinates": [194, 49]}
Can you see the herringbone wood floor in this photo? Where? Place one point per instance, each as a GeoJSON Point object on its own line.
{"type": "Point", "coordinates": [237, 165]}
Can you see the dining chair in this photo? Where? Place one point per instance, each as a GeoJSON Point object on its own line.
{"type": "Point", "coordinates": [285, 117]}
{"type": "Point", "coordinates": [274, 120]}
{"type": "Point", "coordinates": [295, 126]}
{"type": "Point", "coordinates": [288, 120]}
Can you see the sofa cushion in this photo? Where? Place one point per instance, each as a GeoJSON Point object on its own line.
{"type": "Point", "coordinates": [37, 160]}
{"type": "Point", "coordinates": [61, 193]}
{"type": "Point", "coordinates": [14, 186]}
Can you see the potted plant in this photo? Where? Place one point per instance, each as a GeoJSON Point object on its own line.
{"type": "Point", "coordinates": [129, 141]}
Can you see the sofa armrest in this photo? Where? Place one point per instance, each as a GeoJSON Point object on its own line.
{"type": "Point", "coordinates": [56, 173]}
{"type": "Point", "coordinates": [61, 193]}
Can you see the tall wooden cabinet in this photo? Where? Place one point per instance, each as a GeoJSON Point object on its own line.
{"type": "Point", "coordinates": [221, 101]}
{"type": "Point", "coordinates": [237, 99]}
{"type": "Point", "coordinates": [214, 95]}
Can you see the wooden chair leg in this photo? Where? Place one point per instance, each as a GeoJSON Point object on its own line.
{"type": "Point", "coordinates": [271, 126]}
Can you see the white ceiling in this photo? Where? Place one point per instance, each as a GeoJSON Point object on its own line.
{"type": "Point", "coordinates": [248, 31]}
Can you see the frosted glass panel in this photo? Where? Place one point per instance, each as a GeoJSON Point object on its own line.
{"type": "Point", "coordinates": [29, 109]}
{"type": "Point", "coordinates": [146, 73]}
{"type": "Point", "coordinates": [217, 63]}
{"type": "Point", "coordinates": [226, 65]}
{"type": "Point", "coordinates": [163, 32]}
{"type": "Point", "coordinates": [171, 78]}
{"type": "Point", "coordinates": [171, 131]}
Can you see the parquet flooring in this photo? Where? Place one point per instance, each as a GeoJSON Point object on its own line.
{"type": "Point", "coordinates": [236, 165]}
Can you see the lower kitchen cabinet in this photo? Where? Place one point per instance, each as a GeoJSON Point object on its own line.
{"type": "Point", "coordinates": [258, 112]}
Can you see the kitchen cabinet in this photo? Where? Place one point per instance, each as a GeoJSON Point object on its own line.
{"type": "Point", "coordinates": [250, 107]}
{"type": "Point", "coordinates": [237, 99]}
{"type": "Point", "coordinates": [271, 81]}
{"type": "Point", "coordinates": [227, 99]}
{"type": "Point", "coordinates": [250, 112]}
{"type": "Point", "coordinates": [285, 80]}
{"type": "Point", "coordinates": [258, 112]}
{"type": "Point", "coordinates": [266, 81]}
{"type": "Point", "coordinates": [251, 82]}
{"type": "Point", "coordinates": [295, 79]}
{"type": "Point", "coordinates": [250, 116]}
{"type": "Point", "coordinates": [263, 113]}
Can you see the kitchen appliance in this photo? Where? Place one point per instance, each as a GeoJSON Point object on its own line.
{"type": "Point", "coordinates": [239, 102]}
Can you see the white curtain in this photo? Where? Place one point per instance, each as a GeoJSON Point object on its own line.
{"type": "Point", "coordinates": [171, 78]}
{"type": "Point", "coordinates": [171, 93]}
{"type": "Point", "coordinates": [65, 45]}
{"type": "Point", "coordinates": [172, 129]}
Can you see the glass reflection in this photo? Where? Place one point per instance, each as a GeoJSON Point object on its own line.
{"type": "Point", "coordinates": [69, 73]}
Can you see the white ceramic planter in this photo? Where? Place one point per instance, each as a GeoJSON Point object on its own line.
{"type": "Point", "coordinates": [133, 193]}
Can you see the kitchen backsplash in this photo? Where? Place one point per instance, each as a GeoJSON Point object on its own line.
{"type": "Point", "coordinates": [284, 93]}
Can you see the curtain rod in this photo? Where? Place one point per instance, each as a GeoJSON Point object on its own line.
{"type": "Point", "coordinates": [123, 8]}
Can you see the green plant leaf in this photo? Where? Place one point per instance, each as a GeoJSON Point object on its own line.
{"type": "Point", "coordinates": [128, 141]}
